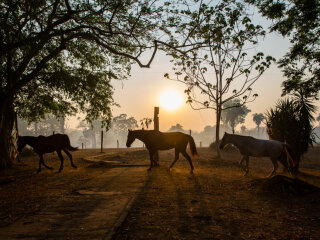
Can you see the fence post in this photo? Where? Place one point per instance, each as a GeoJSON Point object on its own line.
{"type": "Point", "coordinates": [200, 144]}
{"type": "Point", "coordinates": [117, 143]}
{"type": "Point", "coordinates": [101, 141]}
{"type": "Point", "coordinates": [190, 132]}
{"type": "Point", "coordinates": [82, 145]}
{"type": "Point", "coordinates": [156, 127]}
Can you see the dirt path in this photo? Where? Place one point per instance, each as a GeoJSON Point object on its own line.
{"type": "Point", "coordinates": [217, 202]}
{"type": "Point", "coordinates": [90, 208]}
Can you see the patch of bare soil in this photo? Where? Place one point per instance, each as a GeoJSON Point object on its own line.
{"type": "Point", "coordinates": [81, 203]}
{"type": "Point", "coordinates": [218, 202]}
{"type": "Point", "coordinates": [280, 186]}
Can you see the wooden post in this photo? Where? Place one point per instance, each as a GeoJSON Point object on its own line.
{"type": "Point", "coordinates": [190, 132]}
{"type": "Point", "coordinates": [200, 144]}
{"type": "Point", "coordinates": [53, 151]}
{"type": "Point", "coordinates": [101, 141]}
{"type": "Point", "coordinates": [156, 127]}
{"type": "Point", "coordinates": [117, 143]}
{"type": "Point", "coordinates": [82, 145]}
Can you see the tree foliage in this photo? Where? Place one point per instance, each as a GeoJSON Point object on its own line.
{"type": "Point", "coordinates": [258, 118]}
{"type": "Point", "coordinates": [121, 124]}
{"type": "Point", "coordinates": [291, 121]}
{"type": "Point", "coordinates": [59, 57]}
{"type": "Point", "coordinates": [300, 21]}
{"type": "Point", "coordinates": [234, 113]}
{"type": "Point", "coordinates": [219, 66]}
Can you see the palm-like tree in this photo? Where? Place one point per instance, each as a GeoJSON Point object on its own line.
{"type": "Point", "coordinates": [258, 118]}
{"type": "Point", "coordinates": [291, 122]}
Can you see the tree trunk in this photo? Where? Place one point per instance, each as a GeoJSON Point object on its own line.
{"type": "Point", "coordinates": [258, 130]}
{"type": "Point", "coordinates": [6, 125]}
{"type": "Point", "coordinates": [218, 115]}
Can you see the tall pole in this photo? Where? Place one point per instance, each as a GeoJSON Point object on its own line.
{"type": "Point", "coordinates": [101, 141]}
{"type": "Point", "coordinates": [156, 128]}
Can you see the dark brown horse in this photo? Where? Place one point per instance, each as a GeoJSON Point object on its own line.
{"type": "Point", "coordinates": [156, 140]}
{"type": "Point", "coordinates": [41, 145]}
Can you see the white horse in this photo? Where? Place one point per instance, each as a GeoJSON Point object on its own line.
{"type": "Point", "coordinates": [252, 147]}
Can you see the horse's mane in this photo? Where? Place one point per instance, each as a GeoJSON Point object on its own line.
{"type": "Point", "coordinates": [241, 136]}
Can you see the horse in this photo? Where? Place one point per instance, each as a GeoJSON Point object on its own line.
{"type": "Point", "coordinates": [252, 147]}
{"type": "Point", "coordinates": [155, 140]}
{"type": "Point", "coordinates": [41, 145]}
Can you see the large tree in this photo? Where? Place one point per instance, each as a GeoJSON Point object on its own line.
{"type": "Point", "coordinates": [59, 56]}
{"type": "Point", "coordinates": [300, 21]}
{"type": "Point", "coordinates": [234, 113]}
{"type": "Point", "coordinates": [258, 118]}
{"type": "Point", "coordinates": [220, 67]}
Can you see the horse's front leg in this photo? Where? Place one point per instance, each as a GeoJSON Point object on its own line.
{"type": "Point", "coordinates": [241, 163]}
{"type": "Point", "coordinates": [40, 161]}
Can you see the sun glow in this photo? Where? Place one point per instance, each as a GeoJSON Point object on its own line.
{"type": "Point", "coordinates": [170, 100]}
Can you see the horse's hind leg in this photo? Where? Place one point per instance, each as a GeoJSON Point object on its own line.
{"type": "Point", "coordinates": [176, 157]}
{"type": "Point", "coordinates": [185, 154]}
{"type": "Point", "coordinates": [70, 157]}
{"type": "Point", "coordinates": [275, 167]}
{"type": "Point", "coordinates": [61, 159]}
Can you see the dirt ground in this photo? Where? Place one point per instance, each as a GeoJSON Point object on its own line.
{"type": "Point", "coordinates": [216, 202]}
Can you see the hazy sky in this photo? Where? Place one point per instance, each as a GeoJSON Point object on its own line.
{"type": "Point", "coordinates": [139, 94]}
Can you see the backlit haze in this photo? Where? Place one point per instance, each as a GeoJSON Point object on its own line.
{"type": "Point", "coordinates": [138, 95]}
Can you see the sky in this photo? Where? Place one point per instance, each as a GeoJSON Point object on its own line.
{"type": "Point", "coordinates": [140, 93]}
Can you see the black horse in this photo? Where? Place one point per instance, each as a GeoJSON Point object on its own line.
{"type": "Point", "coordinates": [41, 145]}
{"type": "Point", "coordinates": [156, 140]}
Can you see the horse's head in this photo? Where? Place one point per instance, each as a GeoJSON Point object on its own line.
{"type": "Point", "coordinates": [21, 144]}
{"type": "Point", "coordinates": [131, 137]}
{"type": "Point", "coordinates": [223, 141]}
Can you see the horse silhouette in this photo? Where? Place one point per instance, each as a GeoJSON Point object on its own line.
{"type": "Point", "coordinates": [41, 145]}
{"type": "Point", "coordinates": [252, 147]}
{"type": "Point", "coordinates": [156, 140]}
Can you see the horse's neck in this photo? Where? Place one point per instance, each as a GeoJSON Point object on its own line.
{"type": "Point", "coordinates": [142, 136]}
{"type": "Point", "coordinates": [235, 140]}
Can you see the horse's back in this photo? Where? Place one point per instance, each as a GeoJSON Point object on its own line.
{"type": "Point", "coordinates": [52, 143]}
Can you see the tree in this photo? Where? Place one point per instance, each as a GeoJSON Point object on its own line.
{"type": "Point", "coordinates": [299, 20]}
{"type": "Point", "coordinates": [257, 118]}
{"type": "Point", "coordinates": [243, 129]}
{"type": "Point", "coordinates": [59, 56]}
{"type": "Point", "coordinates": [318, 119]}
{"type": "Point", "coordinates": [290, 121]}
{"type": "Point", "coordinates": [145, 122]}
{"type": "Point", "coordinates": [234, 113]}
{"type": "Point", "coordinates": [222, 36]}
{"type": "Point", "coordinates": [176, 128]}
{"type": "Point", "coordinates": [121, 124]}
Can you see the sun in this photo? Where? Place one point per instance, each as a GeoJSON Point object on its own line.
{"type": "Point", "coordinates": [170, 100]}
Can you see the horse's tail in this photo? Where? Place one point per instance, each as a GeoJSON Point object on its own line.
{"type": "Point", "coordinates": [193, 147]}
{"type": "Point", "coordinates": [69, 147]}
{"type": "Point", "coordinates": [290, 156]}
{"type": "Point", "coordinates": [72, 148]}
